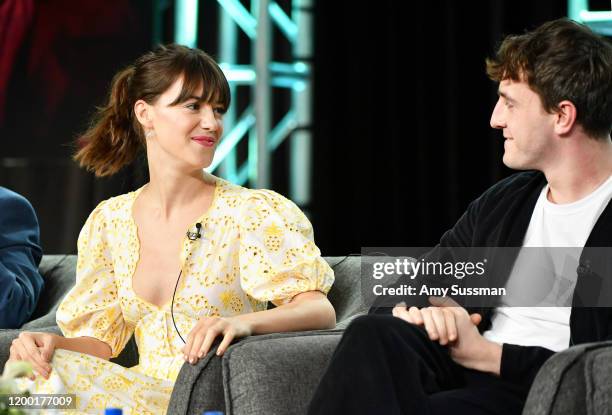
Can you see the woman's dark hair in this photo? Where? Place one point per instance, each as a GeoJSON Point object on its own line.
{"type": "Point", "coordinates": [115, 136]}
{"type": "Point", "coordinates": [562, 60]}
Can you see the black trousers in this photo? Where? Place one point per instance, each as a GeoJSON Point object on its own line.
{"type": "Point", "coordinates": [384, 365]}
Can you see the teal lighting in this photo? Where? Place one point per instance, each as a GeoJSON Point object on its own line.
{"type": "Point", "coordinates": [587, 16]}
{"type": "Point", "coordinates": [240, 74]}
{"type": "Point", "coordinates": [231, 139]}
{"type": "Point", "coordinates": [243, 175]}
{"type": "Point", "coordinates": [298, 68]}
{"type": "Point", "coordinates": [301, 67]}
{"type": "Point", "coordinates": [186, 22]}
{"type": "Point", "coordinates": [598, 21]}
{"type": "Point", "coordinates": [283, 75]}
{"type": "Point", "coordinates": [261, 76]}
{"type": "Point", "coordinates": [287, 82]}
{"type": "Point", "coordinates": [241, 16]}
{"type": "Point", "coordinates": [282, 130]}
{"type": "Point", "coordinates": [284, 22]}
{"type": "Point", "coordinates": [574, 7]}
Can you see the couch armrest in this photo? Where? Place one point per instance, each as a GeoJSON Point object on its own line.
{"type": "Point", "coordinates": [275, 373]}
{"type": "Point", "coordinates": [575, 381]}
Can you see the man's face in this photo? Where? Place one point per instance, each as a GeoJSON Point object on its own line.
{"type": "Point", "coordinates": [527, 127]}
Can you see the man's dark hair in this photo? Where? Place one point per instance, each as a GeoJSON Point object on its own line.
{"type": "Point", "coordinates": [562, 60]}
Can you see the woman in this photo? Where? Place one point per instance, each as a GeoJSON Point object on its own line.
{"type": "Point", "coordinates": [187, 256]}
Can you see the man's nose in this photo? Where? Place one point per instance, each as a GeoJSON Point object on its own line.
{"type": "Point", "coordinates": [497, 117]}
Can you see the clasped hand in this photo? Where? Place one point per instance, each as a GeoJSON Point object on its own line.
{"type": "Point", "coordinates": [206, 330]}
{"type": "Point", "coordinates": [450, 325]}
{"type": "Point", "coordinates": [36, 348]}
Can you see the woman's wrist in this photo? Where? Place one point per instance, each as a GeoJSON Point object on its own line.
{"type": "Point", "coordinates": [245, 323]}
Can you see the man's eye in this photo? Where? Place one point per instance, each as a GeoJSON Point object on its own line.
{"type": "Point", "coordinates": [219, 110]}
{"type": "Point", "coordinates": [195, 106]}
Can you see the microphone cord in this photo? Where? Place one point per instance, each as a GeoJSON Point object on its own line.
{"type": "Point", "coordinates": [172, 307]}
{"type": "Point", "coordinates": [192, 236]}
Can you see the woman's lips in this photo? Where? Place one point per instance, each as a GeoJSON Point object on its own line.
{"type": "Point", "coordinates": [204, 140]}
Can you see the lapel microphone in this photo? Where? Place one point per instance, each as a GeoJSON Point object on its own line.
{"type": "Point", "coordinates": [192, 236]}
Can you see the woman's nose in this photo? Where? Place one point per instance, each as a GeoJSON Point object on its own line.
{"type": "Point", "coordinates": [208, 119]}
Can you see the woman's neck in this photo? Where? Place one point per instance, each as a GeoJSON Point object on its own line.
{"type": "Point", "coordinates": [171, 191]}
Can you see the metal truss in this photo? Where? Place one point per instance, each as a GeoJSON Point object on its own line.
{"type": "Point", "coordinates": [254, 124]}
{"type": "Point", "coordinates": [598, 21]}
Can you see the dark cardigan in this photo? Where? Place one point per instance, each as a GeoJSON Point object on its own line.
{"type": "Point", "coordinates": [500, 218]}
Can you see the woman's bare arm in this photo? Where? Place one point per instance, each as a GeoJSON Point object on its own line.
{"type": "Point", "coordinates": [87, 345]}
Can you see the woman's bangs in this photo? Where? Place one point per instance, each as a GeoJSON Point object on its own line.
{"type": "Point", "coordinates": [205, 82]}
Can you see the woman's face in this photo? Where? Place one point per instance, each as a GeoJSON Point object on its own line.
{"type": "Point", "coordinates": [187, 132]}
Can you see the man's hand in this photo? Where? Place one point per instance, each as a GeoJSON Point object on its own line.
{"type": "Point", "coordinates": [452, 326]}
{"type": "Point", "coordinates": [439, 321]}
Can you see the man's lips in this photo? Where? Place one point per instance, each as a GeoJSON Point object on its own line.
{"type": "Point", "coordinates": [206, 141]}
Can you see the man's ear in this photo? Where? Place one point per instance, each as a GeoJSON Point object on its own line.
{"type": "Point", "coordinates": [144, 113]}
{"type": "Point", "coordinates": [565, 117]}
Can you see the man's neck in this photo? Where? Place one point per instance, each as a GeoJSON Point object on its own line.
{"type": "Point", "coordinates": [582, 168]}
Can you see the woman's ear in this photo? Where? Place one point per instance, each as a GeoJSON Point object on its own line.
{"type": "Point", "coordinates": [144, 113]}
{"type": "Point", "coordinates": [566, 117]}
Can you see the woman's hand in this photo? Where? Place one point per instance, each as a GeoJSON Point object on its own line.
{"type": "Point", "coordinates": [35, 348]}
{"type": "Point", "coordinates": [206, 331]}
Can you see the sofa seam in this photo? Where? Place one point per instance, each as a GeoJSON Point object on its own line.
{"type": "Point", "coordinates": [225, 375]}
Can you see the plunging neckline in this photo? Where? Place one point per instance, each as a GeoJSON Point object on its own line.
{"type": "Point", "coordinates": [134, 237]}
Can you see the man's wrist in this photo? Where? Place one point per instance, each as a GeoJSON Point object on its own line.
{"type": "Point", "coordinates": [492, 358]}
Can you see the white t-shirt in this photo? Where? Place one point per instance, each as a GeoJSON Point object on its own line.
{"type": "Point", "coordinates": [551, 225]}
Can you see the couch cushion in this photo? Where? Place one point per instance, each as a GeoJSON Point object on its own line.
{"type": "Point", "coordinates": [59, 274]}
{"type": "Point", "coordinates": [278, 374]}
{"type": "Point", "coordinates": [345, 294]}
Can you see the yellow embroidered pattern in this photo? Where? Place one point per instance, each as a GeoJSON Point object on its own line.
{"type": "Point", "coordinates": [256, 247]}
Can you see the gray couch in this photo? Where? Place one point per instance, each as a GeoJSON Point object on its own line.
{"type": "Point", "coordinates": [277, 373]}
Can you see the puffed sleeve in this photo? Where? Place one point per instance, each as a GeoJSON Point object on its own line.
{"type": "Point", "coordinates": [278, 256]}
{"type": "Point", "coordinates": [92, 308]}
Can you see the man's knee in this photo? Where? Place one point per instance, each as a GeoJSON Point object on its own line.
{"type": "Point", "coordinates": [366, 324]}
{"type": "Point", "coordinates": [374, 326]}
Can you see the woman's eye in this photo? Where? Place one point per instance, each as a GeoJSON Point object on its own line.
{"type": "Point", "coordinates": [195, 106]}
{"type": "Point", "coordinates": [219, 110]}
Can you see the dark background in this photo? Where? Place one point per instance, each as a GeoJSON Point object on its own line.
{"type": "Point", "coordinates": [402, 140]}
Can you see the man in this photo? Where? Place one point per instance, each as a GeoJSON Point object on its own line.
{"type": "Point", "coordinates": [20, 254]}
{"type": "Point", "coordinates": [555, 111]}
